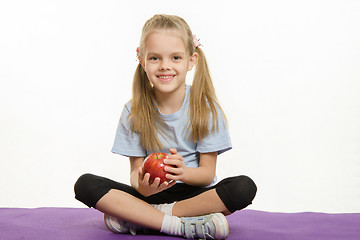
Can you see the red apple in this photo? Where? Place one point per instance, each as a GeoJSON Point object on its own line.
{"type": "Point", "coordinates": [154, 164]}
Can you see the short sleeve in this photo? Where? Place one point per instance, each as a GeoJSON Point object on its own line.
{"type": "Point", "coordinates": [127, 143]}
{"type": "Point", "coordinates": [217, 141]}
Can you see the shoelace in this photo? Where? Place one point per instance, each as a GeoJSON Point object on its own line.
{"type": "Point", "coordinates": [196, 227]}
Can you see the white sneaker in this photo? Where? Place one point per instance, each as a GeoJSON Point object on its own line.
{"type": "Point", "coordinates": [119, 226]}
{"type": "Point", "coordinates": [212, 226]}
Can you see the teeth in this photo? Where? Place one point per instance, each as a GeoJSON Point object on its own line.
{"type": "Point", "coordinates": [165, 77]}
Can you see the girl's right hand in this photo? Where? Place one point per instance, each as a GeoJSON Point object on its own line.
{"type": "Point", "coordinates": [146, 189]}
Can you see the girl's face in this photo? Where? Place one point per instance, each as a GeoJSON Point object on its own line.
{"type": "Point", "coordinates": [166, 61]}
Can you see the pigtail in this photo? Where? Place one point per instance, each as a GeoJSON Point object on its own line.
{"type": "Point", "coordinates": [203, 101]}
{"type": "Point", "coordinates": [144, 116]}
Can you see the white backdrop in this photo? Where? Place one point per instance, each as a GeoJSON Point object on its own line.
{"type": "Point", "coordinates": [286, 73]}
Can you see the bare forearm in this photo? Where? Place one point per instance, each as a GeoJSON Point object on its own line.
{"type": "Point", "coordinates": [134, 180]}
{"type": "Point", "coordinates": [200, 176]}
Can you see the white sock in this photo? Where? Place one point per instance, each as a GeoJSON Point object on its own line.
{"type": "Point", "coordinates": [165, 207]}
{"type": "Point", "coordinates": [171, 225]}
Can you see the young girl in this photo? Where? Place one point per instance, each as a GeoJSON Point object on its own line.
{"type": "Point", "coordinates": [166, 115]}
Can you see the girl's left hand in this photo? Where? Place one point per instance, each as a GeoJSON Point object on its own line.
{"type": "Point", "coordinates": [146, 188]}
{"type": "Point", "coordinates": [177, 170]}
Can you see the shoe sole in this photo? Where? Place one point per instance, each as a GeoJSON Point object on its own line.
{"type": "Point", "coordinates": [113, 225]}
{"type": "Point", "coordinates": [221, 226]}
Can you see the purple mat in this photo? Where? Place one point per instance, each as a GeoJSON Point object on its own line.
{"type": "Point", "coordinates": [83, 223]}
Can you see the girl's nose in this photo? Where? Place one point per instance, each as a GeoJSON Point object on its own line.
{"type": "Point", "coordinates": [164, 65]}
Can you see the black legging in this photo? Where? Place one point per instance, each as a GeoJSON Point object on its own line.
{"type": "Point", "coordinates": [235, 192]}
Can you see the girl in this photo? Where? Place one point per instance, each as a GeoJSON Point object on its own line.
{"type": "Point", "coordinates": [166, 115]}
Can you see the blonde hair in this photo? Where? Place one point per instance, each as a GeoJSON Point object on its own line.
{"type": "Point", "coordinates": [145, 118]}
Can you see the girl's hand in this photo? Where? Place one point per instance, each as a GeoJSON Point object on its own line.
{"type": "Point", "coordinates": [203, 175]}
{"type": "Point", "coordinates": [146, 189]}
{"type": "Point", "coordinates": [177, 170]}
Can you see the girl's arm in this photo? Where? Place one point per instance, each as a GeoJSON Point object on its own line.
{"type": "Point", "coordinates": [140, 181]}
{"type": "Point", "coordinates": [200, 176]}
{"type": "Point", "coordinates": [135, 163]}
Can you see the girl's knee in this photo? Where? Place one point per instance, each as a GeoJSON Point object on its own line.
{"type": "Point", "coordinates": [90, 188]}
{"type": "Point", "coordinates": [247, 185]}
{"type": "Point", "coordinates": [237, 192]}
{"type": "Point", "coordinates": [82, 185]}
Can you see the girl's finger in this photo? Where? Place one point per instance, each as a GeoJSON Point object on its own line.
{"type": "Point", "coordinates": [170, 169]}
{"type": "Point", "coordinates": [167, 184]}
{"type": "Point", "coordinates": [146, 178]}
{"type": "Point", "coordinates": [156, 183]}
{"type": "Point", "coordinates": [172, 177]}
{"type": "Point", "coordinates": [174, 162]}
{"type": "Point", "coordinates": [174, 157]}
{"type": "Point", "coordinates": [173, 151]}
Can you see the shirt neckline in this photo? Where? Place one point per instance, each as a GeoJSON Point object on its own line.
{"type": "Point", "coordinates": [179, 112]}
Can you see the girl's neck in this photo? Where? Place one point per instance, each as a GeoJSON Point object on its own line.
{"type": "Point", "coordinates": [169, 103]}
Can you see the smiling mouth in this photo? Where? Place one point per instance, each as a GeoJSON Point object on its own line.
{"type": "Point", "coordinates": [166, 77]}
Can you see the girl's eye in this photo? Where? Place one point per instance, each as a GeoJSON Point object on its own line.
{"type": "Point", "coordinates": [177, 58]}
{"type": "Point", "coordinates": [153, 58]}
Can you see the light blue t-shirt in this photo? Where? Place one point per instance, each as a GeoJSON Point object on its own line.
{"type": "Point", "coordinates": [128, 144]}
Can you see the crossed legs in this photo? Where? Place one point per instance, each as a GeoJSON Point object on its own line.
{"type": "Point", "coordinates": [124, 206]}
{"type": "Point", "coordinates": [124, 202]}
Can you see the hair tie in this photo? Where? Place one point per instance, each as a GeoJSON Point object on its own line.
{"type": "Point", "coordinates": [137, 52]}
{"type": "Point", "coordinates": [196, 42]}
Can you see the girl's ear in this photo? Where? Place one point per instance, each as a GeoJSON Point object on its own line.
{"type": "Point", "coordinates": [193, 60]}
{"type": "Point", "coordinates": [142, 62]}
